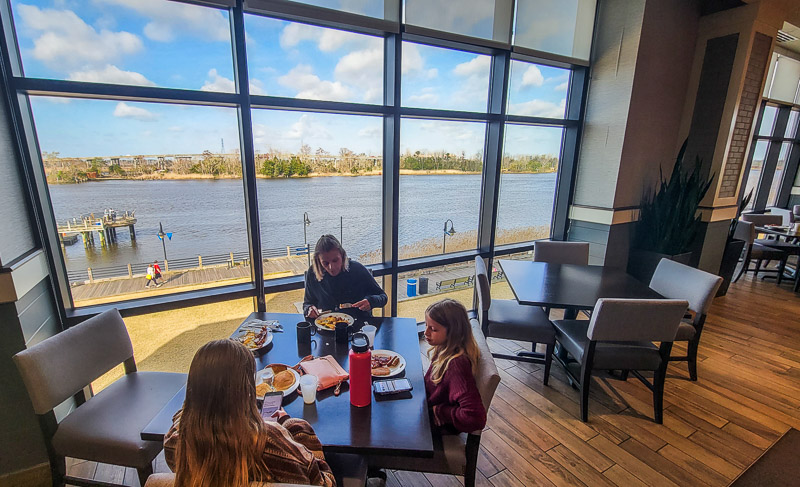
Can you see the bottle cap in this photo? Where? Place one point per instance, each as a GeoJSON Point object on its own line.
{"type": "Point", "coordinates": [360, 342]}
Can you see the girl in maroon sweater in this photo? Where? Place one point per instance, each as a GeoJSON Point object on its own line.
{"type": "Point", "coordinates": [450, 381]}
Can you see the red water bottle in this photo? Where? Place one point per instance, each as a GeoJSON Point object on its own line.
{"type": "Point", "coordinates": [360, 371]}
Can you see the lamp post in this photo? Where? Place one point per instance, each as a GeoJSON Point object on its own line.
{"type": "Point", "coordinates": [451, 231]}
{"type": "Point", "coordinates": [306, 223]}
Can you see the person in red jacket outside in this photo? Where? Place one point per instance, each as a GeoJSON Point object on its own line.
{"type": "Point", "coordinates": [453, 396]}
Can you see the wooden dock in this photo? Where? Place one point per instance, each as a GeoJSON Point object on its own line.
{"type": "Point", "coordinates": [105, 227]}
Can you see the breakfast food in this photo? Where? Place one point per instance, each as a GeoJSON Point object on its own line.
{"type": "Point", "coordinates": [329, 321]}
{"type": "Point", "coordinates": [254, 339]}
{"type": "Point", "coordinates": [381, 371]}
{"type": "Point", "coordinates": [283, 380]}
{"type": "Point", "coordinates": [383, 364]}
{"type": "Point", "coordinates": [263, 388]}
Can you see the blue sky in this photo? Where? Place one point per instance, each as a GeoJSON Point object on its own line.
{"type": "Point", "coordinates": [160, 43]}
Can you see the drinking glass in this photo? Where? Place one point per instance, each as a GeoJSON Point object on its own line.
{"type": "Point", "coordinates": [308, 387]}
{"type": "Point", "coordinates": [370, 330]}
{"type": "Point", "coordinates": [267, 375]}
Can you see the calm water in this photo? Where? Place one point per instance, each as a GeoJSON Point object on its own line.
{"type": "Point", "coordinates": [208, 217]}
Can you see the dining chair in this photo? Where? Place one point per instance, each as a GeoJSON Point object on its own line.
{"type": "Point", "coordinates": [454, 454]}
{"type": "Point", "coordinates": [762, 219]}
{"type": "Point", "coordinates": [558, 252]}
{"type": "Point", "coordinates": [746, 230]}
{"type": "Point", "coordinates": [506, 318]}
{"type": "Point", "coordinates": [105, 427]}
{"type": "Point", "coordinates": [619, 337]}
{"type": "Point", "coordinates": [678, 281]}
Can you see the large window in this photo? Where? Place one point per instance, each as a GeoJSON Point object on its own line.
{"type": "Point", "coordinates": [774, 159]}
{"type": "Point", "coordinates": [223, 142]}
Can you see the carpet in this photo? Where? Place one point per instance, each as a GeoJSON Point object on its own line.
{"type": "Point", "coordinates": [777, 466]}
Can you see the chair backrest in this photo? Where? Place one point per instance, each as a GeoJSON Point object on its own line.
{"type": "Point", "coordinates": [168, 480]}
{"type": "Point", "coordinates": [678, 281]}
{"type": "Point", "coordinates": [762, 219]}
{"type": "Point", "coordinates": [786, 215]}
{"type": "Point", "coordinates": [796, 211]}
{"type": "Point", "coordinates": [482, 288]}
{"type": "Point", "coordinates": [62, 365]}
{"type": "Point", "coordinates": [746, 231]}
{"type": "Point", "coordinates": [631, 320]}
{"type": "Point", "coordinates": [561, 252]}
{"type": "Point", "coordinates": [486, 376]}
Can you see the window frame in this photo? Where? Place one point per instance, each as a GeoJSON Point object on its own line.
{"type": "Point", "coordinates": [394, 34]}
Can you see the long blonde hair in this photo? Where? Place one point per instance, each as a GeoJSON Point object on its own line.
{"type": "Point", "coordinates": [222, 436]}
{"type": "Point", "coordinates": [452, 315]}
{"type": "Point", "coordinates": [326, 243]}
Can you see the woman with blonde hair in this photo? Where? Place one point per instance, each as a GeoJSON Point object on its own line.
{"type": "Point", "coordinates": [219, 437]}
{"type": "Point", "coordinates": [335, 282]}
{"type": "Point", "coordinates": [450, 381]}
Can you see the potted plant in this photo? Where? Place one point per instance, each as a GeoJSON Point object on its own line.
{"type": "Point", "coordinates": [733, 249]}
{"type": "Point", "coordinates": [668, 220]}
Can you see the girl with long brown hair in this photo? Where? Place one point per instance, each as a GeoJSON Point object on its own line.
{"type": "Point", "coordinates": [450, 381]}
{"type": "Point", "coordinates": [219, 437]}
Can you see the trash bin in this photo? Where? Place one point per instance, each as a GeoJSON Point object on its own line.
{"type": "Point", "coordinates": [422, 287]}
{"type": "Point", "coordinates": [411, 288]}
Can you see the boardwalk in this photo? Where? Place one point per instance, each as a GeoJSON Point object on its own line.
{"type": "Point", "coordinates": [747, 396]}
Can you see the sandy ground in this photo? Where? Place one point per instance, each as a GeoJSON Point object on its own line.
{"type": "Point", "coordinates": [166, 341]}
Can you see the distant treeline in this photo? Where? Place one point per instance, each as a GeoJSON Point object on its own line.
{"type": "Point", "coordinates": [274, 164]}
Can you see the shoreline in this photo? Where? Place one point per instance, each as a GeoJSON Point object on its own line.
{"type": "Point", "coordinates": [201, 177]}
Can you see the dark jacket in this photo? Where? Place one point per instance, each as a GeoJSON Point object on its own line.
{"type": "Point", "coordinates": [349, 286]}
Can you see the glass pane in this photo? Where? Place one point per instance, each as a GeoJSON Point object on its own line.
{"type": "Point", "coordinates": [453, 281]}
{"type": "Point", "coordinates": [768, 120]}
{"type": "Point", "coordinates": [756, 167]}
{"type": "Point", "coordinates": [537, 91]}
{"type": "Point", "coordinates": [786, 75]}
{"type": "Point", "coordinates": [474, 18]}
{"type": "Point", "coordinates": [440, 186]}
{"type": "Point", "coordinates": [120, 172]}
{"type": "Point", "coordinates": [777, 179]}
{"type": "Point", "coordinates": [166, 341]}
{"type": "Point", "coordinates": [435, 77]}
{"type": "Point", "coordinates": [154, 43]}
{"type": "Point", "coordinates": [564, 27]}
{"type": "Point", "coordinates": [791, 126]}
{"type": "Point", "coordinates": [371, 8]}
{"type": "Point", "coordinates": [318, 173]}
{"type": "Point", "coordinates": [527, 183]}
{"type": "Point", "coordinates": [304, 61]}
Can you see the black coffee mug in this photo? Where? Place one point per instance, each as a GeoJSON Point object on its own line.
{"type": "Point", "coordinates": [304, 332]}
{"type": "Point", "coordinates": [341, 332]}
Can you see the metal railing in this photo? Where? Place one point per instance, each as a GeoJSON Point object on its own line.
{"type": "Point", "coordinates": [139, 269]}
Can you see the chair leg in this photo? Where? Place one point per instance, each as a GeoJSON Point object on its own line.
{"type": "Point", "coordinates": [781, 267]}
{"type": "Point", "coordinates": [548, 359]}
{"type": "Point", "coordinates": [472, 448]}
{"type": "Point", "coordinates": [745, 264]}
{"type": "Point", "coordinates": [691, 355]}
{"type": "Point", "coordinates": [586, 380]}
{"type": "Point", "coordinates": [758, 268]}
{"type": "Point", "coordinates": [58, 469]}
{"type": "Point", "coordinates": [659, 377]}
{"type": "Point", "coordinates": [144, 473]}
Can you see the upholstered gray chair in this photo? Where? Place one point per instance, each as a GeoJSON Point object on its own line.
{"type": "Point", "coordinates": [556, 252]}
{"type": "Point", "coordinates": [103, 428]}
{"type": "Point", "coordinates": [506, 318]}
{"type": "Point", "coordinates": [619, 337]}
{"type": "Point", "coordinates": [761, 219]}
{"type": "Point", "coordinates": [678, 281]}
{"type": "Point", "coordinates": [753, 250]}
{"type": "Point", "coordinates": [455, 454]}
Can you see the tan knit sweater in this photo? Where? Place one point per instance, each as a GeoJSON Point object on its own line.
{"type": "Point", "coordinates": [293, 453]}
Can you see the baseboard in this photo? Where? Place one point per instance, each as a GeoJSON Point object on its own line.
{"type": "Point", "coordinates": [36, 476]}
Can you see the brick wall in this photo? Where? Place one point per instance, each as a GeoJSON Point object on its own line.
{"type": "Point", "coordinates": [748, 103]}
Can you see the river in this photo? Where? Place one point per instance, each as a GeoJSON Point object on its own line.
{"type": "Point", "coordinates": [207, 217]}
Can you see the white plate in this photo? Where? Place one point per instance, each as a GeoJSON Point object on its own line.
{"type": "Point", "coordinates": [350, 320]}
{"type": "Point", "coordinates": [396, 369]}
{"type": "Point", "coordinates": [241, 332]}
{"type": "Point", "coordinates": [290, 389]}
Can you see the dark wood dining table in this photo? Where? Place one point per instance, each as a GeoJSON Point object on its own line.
{"type": "Point", "coordinates": [391, 425]}
{"type": "Point", "coordinates": [569, 286]}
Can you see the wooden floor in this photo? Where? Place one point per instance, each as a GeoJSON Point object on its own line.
{"type": "Point", "coordinates": [747, 396]}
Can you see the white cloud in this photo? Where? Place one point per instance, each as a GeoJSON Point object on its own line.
{"type": "Point", "coordinates": [532, 77]}
{"type": "Point", "coordinates": [364, 70]}
{"type": "Point", "coordinates": [65, 42]}
{"type": "Point", "coordinates": [308, 85]}
{"type": "Point", "coordinates": [307, 128]}
{"type": "Point", "coordinates": [123, 110]}
{"type": "Point", "coordinates": [110, 74]}
{"type": "Point", "coordinates": [215, 82]}
{"type": "Point", "coordinates": [561, 87]}
{"type": "Point", "coordinates": [477, 66]}
{"type": "Point", "coordinates": [371, 132]}
{"type": "Point", "coordinates": [539, 108]}
{"type": "Point", "coordinates": [175, 128]}
{"type": "Point", "coordinates": [414, 64]}
{"type": "Point", "coordinates": [327, 40]}
{"type": "Point", "coordinates": [425, 97]}
{"type": "Point", "coordinates": [168, 20]}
